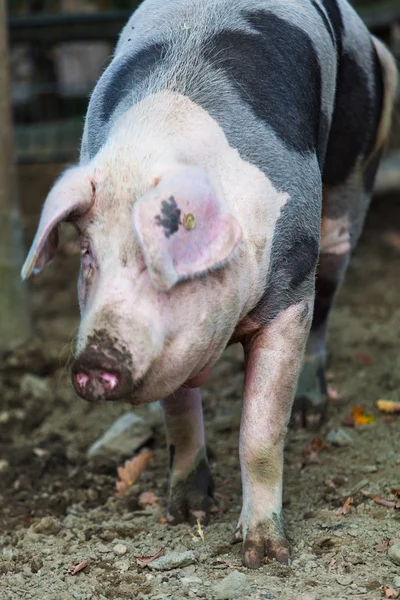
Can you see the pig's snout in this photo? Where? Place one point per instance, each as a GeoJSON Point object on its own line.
{"type": "Point", "coordinates": [98, 375]}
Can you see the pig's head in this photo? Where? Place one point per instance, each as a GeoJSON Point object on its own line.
{"type": "Point", "coordinates": [151, 277]}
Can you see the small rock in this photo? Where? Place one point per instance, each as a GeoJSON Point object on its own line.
{"type": "Point", "coordinates": [47, 526]}
{"type": "Point", "coordinates": [344, 579]}
{"type": "Point", "coordinates": [339, 437]}
{"type": "Point", "coordinates": [370, 469]}
{"type": "Point", "coordinates": [191, 580]}
{"type": "Point", "coordinates": [36, 564]}
{"type": "Point", "coordinates": [394, 553]}
{"type": "Point", "coordinates": [396, 581]}
{"type": "Point", "coordinates": [122, 565]}
{"type": "Point", "coordinates": [35, 387]}
{"type": "Point", "coordinates": [126, 435]}
{"type": "Point", "coordinates": [173, 560]}
{"type": "Point", "coordinates": [235, 585]}
{"type": "Point", "coordinates": [119, 549]}
{"type": "Point", "coordinates": [4, 464]}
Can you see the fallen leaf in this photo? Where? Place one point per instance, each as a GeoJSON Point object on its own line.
{"type": "Point", "coordinates": [330, 483]}
{"type": "Point", "coordinates": [143, 561]}
{"type": "Point", "coordinates": [345, 509]}
{"type": "Point", "coordinates": [388, 592]}
{"type": "Point", "coordinates": [333, 394]}
{"type": "Point", "coordinates": [312, 451]}
{"type": "Point", "coordinates": [200, 530]}
{"type": "Point", "coordinates": [74, 569]}
{"type": "Point", "coordinates": [392, 239]}
{"type": "Point", "coordinates": [396, 492]}
{"type": "Point", "coordinates": [162, 521]}
{"type": "Point", "coordinates": [148, 499]}
{"type": "Point", "coordinates": [228, 564]}
{"type": "Point", "coordinates": [388, 406]}
{"type": "Point", "coordinates": [381, 501]}
{"type": "Point", "coordinates": [383, 545]}
{"type": "Point", "coordinates": [366, 359]}
{"type": "Point", "coordinates": [358, 417]}
{"type": "Point", "coordinates": [131, 471]}
{"type": "Point", "coordinates": [330, 375]}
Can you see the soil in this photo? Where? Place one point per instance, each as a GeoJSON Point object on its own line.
{"type": "Point", "coordinates": [58, 508]}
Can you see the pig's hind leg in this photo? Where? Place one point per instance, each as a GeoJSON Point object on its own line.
{"type": "Point", "coordinates": [190, 478]}
{"type": "Point", "coordinates": [359, 132]}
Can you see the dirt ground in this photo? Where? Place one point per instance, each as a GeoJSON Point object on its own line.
{"type": "Point", "coordinates": [45, 431]}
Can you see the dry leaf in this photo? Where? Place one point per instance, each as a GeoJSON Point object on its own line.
{"type": "Point", "coordinates": [392, 239]}
{"type": "Point", "coordinates": [131, 471]}
{"type": "Point", "coordinates": [358, 417]}
{"type": "Point", "coordinates": [143, 561]}
{"type": "Point", "coordinates": [74, 569]}
{"type": "Point", "coordinates": [388, 406]}
{"type": "Point", "coordinates": [330, 483]}
{"type": "Point", "coordinates": [381, 501]}
{"type": "Point", "coordinates": [345, 509]}
{"type": "Point", "coordinates": [333, 394]}
{"type": "Point", "coordinates": [366, 359]}
{"type": "Point", "coordinates": [199, 530]}
{"type": "Point", "coordinates": [162, 521]}
{"type": "Point", "coordinates": [388, 592]}
{"type": "Point", "coordinates": [148, 499]}
{"type": "Point", "coordinates": [383, 545]}
{"type": "Point", "coordinates": [228, 564]}
{"type": "Point", "coordinates": [396, 492]}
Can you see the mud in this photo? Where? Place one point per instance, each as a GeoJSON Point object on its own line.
{"type": "Point", "coordinates": [58, 508]}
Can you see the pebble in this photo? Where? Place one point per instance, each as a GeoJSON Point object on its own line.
{"type": "Point", "coordinates": [396, 581]}
{"type": "Point", "coordinates": [235, 585]}
{"type": "Point", "coordinates": [370, 469]}
{"type": "Point", "coordinates": [35, 387]}
{"type": "Point", "coordinates": [344, 579]}
{"type": "Point", "coordinates": [47, 526]}
{"type": "Point", "coordinates": [122, 565]}
{"type": "Point", "coordinates": [125, 435]}
{"type": "Point", "coordinates": [173, 560]}
{"type": "Point", "coordinates": [394, 553]}
{"type": "Point", "coordinates": [36, 564]}
{"type": "Point", "coordinates": [119, 549]}
{"type": "Point", "coordinates": [339, 437]}
{"type": "Point", "coordinates": [191, 580]}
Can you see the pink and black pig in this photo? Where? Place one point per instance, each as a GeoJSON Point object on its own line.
{"type": "Point", "coordinates": [227, 163]}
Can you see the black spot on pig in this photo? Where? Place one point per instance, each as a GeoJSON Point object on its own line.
{"type": "Point", "coordinates": [371, 170]}
{"type": "Point", "coordinates": [170, 218]}
{"type": "Point", "coordinates": [275, 70]}
{"type": "Point", "coordinates": [129, 74]}
{"type": "Point", "coordinates": [291, 275]}
{"type": "Point", "coordinates": [171, 456]}
{"type": "Point", "coordinates": [354, 125]}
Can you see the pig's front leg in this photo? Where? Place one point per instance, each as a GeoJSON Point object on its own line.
{"type": "Point", "coordinates": [273, 360]}
{"type": "Point", "coordinates": [190, 478]}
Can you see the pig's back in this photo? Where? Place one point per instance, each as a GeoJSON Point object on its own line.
{"type": "Point", "coordinates": [263, 69]}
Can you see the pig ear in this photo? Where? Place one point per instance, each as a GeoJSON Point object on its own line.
{"type": "Point", "coordinates": [71, 194]}
{"type": "Point", "coordinates": [184, 228]}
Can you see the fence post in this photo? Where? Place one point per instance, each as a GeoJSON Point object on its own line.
{"type": "Point", "coordinates": [15, 323]}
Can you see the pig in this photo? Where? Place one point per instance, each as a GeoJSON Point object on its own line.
{"type": "Point", "coordinates": [227, 163]}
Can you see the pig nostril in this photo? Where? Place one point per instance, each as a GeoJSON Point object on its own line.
{"type": "Point", "coordinates": [82, 379]}
{"type": "Point", "coordinates": [109, 379]}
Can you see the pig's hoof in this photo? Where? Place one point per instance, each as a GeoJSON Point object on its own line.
{"type": "Point", "coordinates": [263, 542]}
{"type": "Point", "coordinates": [190, 499]}
{"type": "Point", "coordinates": [311, 402]}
